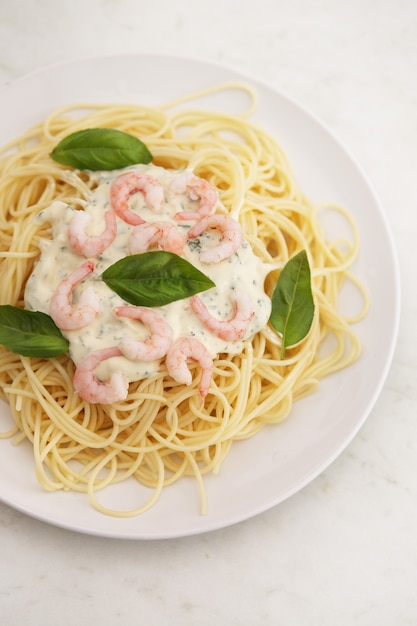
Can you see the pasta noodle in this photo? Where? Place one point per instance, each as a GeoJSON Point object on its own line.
{"type": "Point", "coordinates": [162, 431]}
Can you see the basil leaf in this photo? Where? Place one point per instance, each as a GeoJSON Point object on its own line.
{"type": "Point", "coordinates": [292, 302]}
{"type": "Point", "coordinates": [100, 149]}
{"type": "Point", "coordinates": [30, 333]}
{"type": "Point", "coordinates": [155, 278]}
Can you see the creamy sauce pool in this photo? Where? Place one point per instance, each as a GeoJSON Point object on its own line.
{"type": "Point", "coordinates": [243, 271]}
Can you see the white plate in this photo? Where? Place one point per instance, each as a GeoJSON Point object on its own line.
{"type": "Point", "coordinates": [265, 470]}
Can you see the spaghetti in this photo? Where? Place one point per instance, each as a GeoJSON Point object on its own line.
{"type": "Point", "coordinates": [162, 431]}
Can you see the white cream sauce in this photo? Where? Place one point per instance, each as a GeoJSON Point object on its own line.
{"type": "Point", "coordinates": [243, 271]}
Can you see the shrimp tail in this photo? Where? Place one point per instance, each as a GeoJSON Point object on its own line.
{"type": "Point", "coordinates": [68, 316]}
{"type": "Point", "coordinates": [231, 329]}
{"type": "Point", "coordinates": [90, 389]}
{"type": "Point", "coordinates": [157, 343]}
{"type": "Point", "coordinates": [129, 183]}
{"type": "Point", "coordinates": [186, 348]}
{"type": "Point", "coordinates": [86, 245]}
{"type": "Point", "coordinates": [197, 189]}
{"type": "Point", "coordinates": [231, 237]}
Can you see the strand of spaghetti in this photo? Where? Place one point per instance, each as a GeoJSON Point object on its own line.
{"type": "Point", "coordinates": [59, 417]}
{"type": "Point", "coordinates": [41, 451]}
{"type": "Point", "coordinates": [273, 399]}
{"type": "Point", "coordinates": [133, 512]}
{"type": "Point", "coordinates": [226, 86]}
{"type": "Point", "coordinates": [150, 121]}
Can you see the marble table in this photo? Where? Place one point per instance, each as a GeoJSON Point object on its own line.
{"type": "Point", "coordinates": [343, 550]}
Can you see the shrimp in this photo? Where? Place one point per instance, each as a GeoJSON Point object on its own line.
{"type": "Point", "coordinates": [229, 330]}
{"type": "Point", "coordinates": [87, 245]}
{"type": "Point", "coordinates": [196, 189]}
{"type": "Point", "coordinates": [232, 237]}
{"type": "Point", "coordinates": [90, 388]}
{"type": "Point", "coordinates": [186, 348]}
{"type": "Point", "coordinates": [66, 315]}
{"type": "Point", "coordinates": [125, 185]}
{"type": "Point", "coordinates": [165, 235]}
{"type": "Point", "coordinates": [156, 345]}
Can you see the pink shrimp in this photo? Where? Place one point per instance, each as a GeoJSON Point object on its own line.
{"type": "Point", "coordinates": [131, 182]}
{"type": "Point", "coordinates": [165, 235]}
{"type": "Point", "coordinates": [66, 315]}
{"type": "Point", "coordinates": [232, 237]}
{"type": "Point", "coordinates": [88, 245]}
{"type": "Point", "coordinates": [156, 345]}
{"type": "Point", "coordinates": [90, 388]}
{"type": "Point", "coordinates": [196, 189]}
{"type": "Point", "coordinates": [229, 330]}
{"type": "Point", "coordinates": [186, 348]}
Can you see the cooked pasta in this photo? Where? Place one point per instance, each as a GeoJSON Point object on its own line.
{"type": "Point", "coordinates": [163, 430]}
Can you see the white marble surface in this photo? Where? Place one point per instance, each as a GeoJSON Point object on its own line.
{"type": "Point", "coordinates": [344, 549]}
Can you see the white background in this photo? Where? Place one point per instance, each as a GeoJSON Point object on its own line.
{"type": "Point", "coordinates": [343, 551]}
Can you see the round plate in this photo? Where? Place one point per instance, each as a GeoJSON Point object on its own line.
{"type": "Point", "coordinates": [268, 468]}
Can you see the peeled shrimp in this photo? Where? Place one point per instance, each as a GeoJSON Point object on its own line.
{"type": "Point", "coordinates": [131, 182]}
{"type": "Point", "coordinates": [232, 237]}
{"type": "Point", "coordinates": [229, 330]}
{"type": "Point", "coordinates": [69, 316]}
{"type": "Point", "coordinates": [165, 235]}
{"type": "Point", "coordinates": [196, 189]}
{"type": "Point", "coordinates": [186, 348]}
{"type": "Point", "coordinates": [90, 389]}
{"type": "Point", "coordinates": [156, 345]}
{"type": "Point", "coordinates": [87, 245]}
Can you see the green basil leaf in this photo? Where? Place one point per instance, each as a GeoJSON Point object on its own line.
{"type": "Point", "coordinates": [292, 301]}
{"type": "Point", "coordinates": [155, 278]}
{"type": "Point", "coordinates": [30, 333]}
{"type": "Point", "coordinates": [100, 149]}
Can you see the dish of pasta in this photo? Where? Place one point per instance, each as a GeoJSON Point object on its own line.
{"type": "Point", "coordinates": [189, 284]}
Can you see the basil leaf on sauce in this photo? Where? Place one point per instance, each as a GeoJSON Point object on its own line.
{"type": "Point", "coordinates": [292, 302]}
{"type": "Point", "coordinates": [100, 149]}
{"type": "Point", "coordinates": [30, 333]}
{"type": "Point", "coordinates": [155, 278]}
